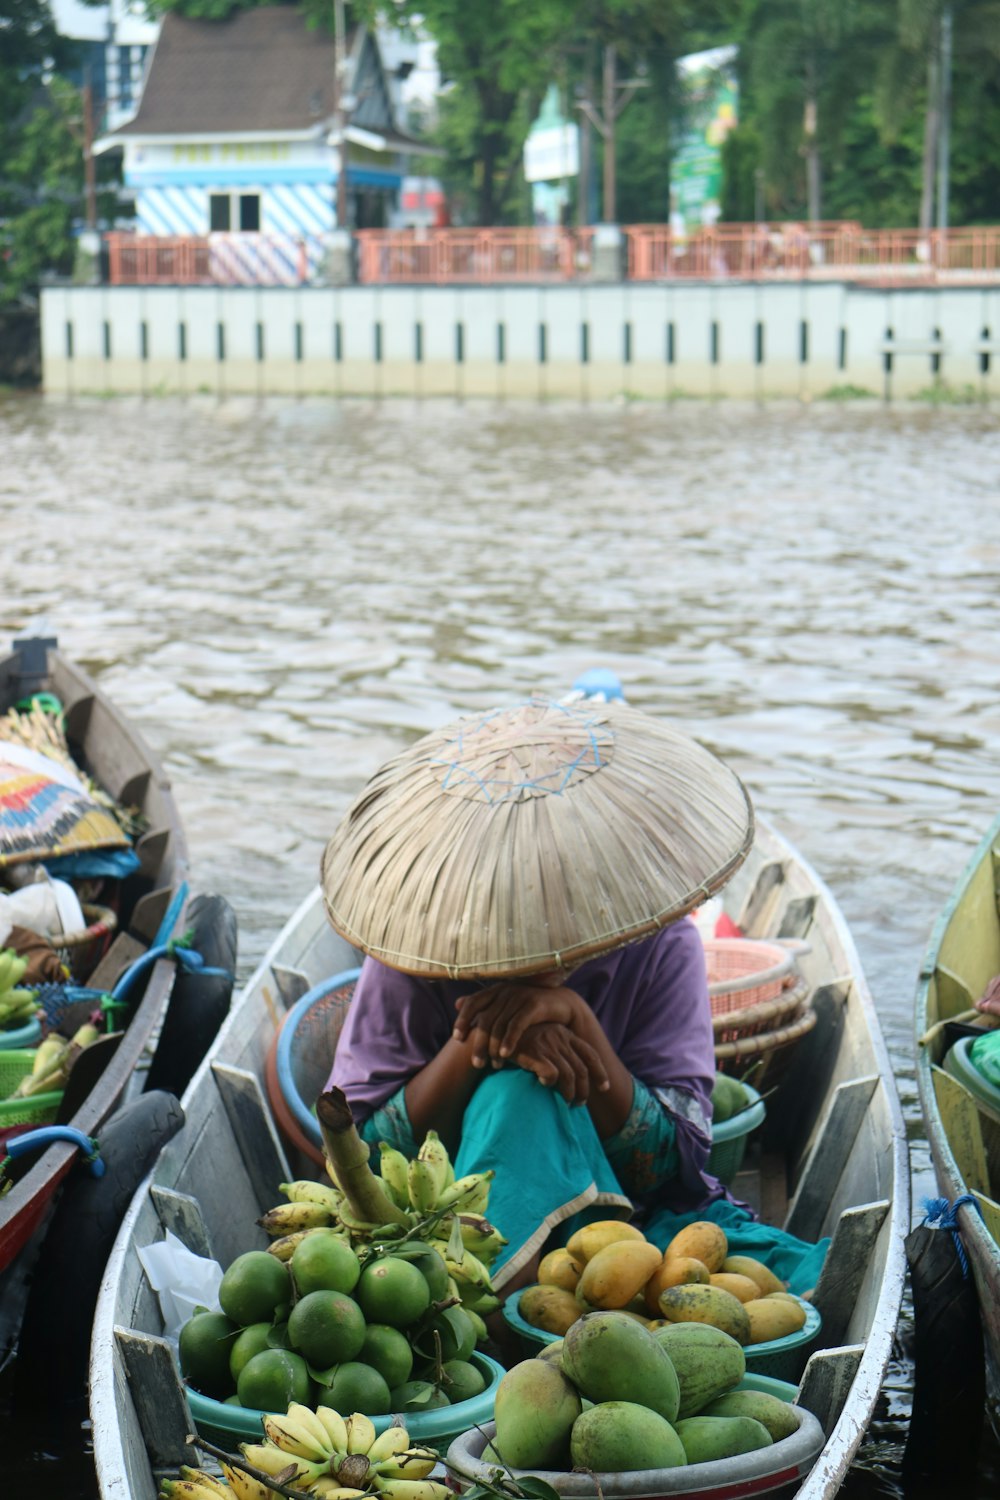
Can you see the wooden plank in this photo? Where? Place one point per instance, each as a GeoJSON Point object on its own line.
{"type": "Point", "coordinates": [123, 951]}
{"type": "Point", "coordinates": [826, 1383]}
{"type": "Point", "coordinates": [262, 1152]}
{"type": "Point", "coordinates": [181, 1214]}
{"type": "Point", "coordinates": [829, 1155]}
{"type": "Point", "coordinates": [769, 880]}
{"type": "Point", "coordinates": [960, 1119]}
{"type": "Point", "coordinates": [798, 917]}
{"type": "Point", "coordinates": [953, 994]}
{"type": "Point", "coordinates": [292, 984]}
{"type": "Point", "coordinates": [846, 1265]}
{"type": "Point", "coordinates": [162, 1408]}
{"type": "Point", "coordinates": [152, 849]}
{"type": "Point", "coordinates": [991, 1214]}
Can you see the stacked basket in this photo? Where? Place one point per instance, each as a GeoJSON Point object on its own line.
{"type": "Point", "coordinates": [761, 1005]}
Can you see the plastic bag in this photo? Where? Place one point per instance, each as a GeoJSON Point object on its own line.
{"type": "Point", "coordinates": [181, 1280]}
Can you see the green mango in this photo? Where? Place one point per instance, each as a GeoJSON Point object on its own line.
{"type": "Point", "coordinates": [779, 1417]}
{"type": "Point", "coordinates": [609, 1356]}
{"type": "Point", "coordinates": [708, 1438]}
{"type": "Point", "coordinates": [535, 1408]}
{"type": "Point", "coordinates": [615, 1437]}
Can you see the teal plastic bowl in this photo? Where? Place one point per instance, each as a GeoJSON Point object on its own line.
{"type": "Point", "coordinates": [228, 1426]}
{"type": "Point", "coordinates": [783, 1359]}
{"type": "Point", "coordinates": [729, 1138]}
{"type": "Point", "coordinates": [28, 1035]}
{"type": "Point", "coordinates": [960, 1065]}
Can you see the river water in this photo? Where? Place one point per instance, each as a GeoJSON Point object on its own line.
{"type": "Point", "coordinates": [281, 594]}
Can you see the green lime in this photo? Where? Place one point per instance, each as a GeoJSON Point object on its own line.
{"type": "Point", "coordinates": [357, 1387]}
{"type": "Point", "coordinates": [418, 1395]}
{"type": "Point", "coordinates": [248, 1342]}
{"type": "Point", "coordinates": [272, 1380]}
{"type": "Point", "coordinates": [392, 1291]}
{"type": "Point", "coordinates": [326, 1328]}
{"type": "Point", "coordinates": [387, 1351]}
{"type": "Point", "coordinates": [431, 1266]}
{"type": "Point", "coordinates": [461, 1380]}
{"type": "Point", "coordinates": [204, 1346]}
{"type": "Point", "coordinates": [232, 1401]}
{"type": "Point", "coordinates": [254, 1287]}
{"type": "Point", "coordinates": [325, 1262]}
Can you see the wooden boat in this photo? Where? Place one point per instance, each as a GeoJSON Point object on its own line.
{"type": "Point", "coordinates": [833, 1161]}
{"type": "Point", "coordinates": [109, 749]}
{"type": "Point", "coordinates": [962, 1122]}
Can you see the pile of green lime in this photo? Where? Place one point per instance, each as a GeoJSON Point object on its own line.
{"type": "Point", "coordinates": [325, 1329]}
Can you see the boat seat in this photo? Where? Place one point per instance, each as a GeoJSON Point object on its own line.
{"type": "Point", "coordinates": [299, 1060]}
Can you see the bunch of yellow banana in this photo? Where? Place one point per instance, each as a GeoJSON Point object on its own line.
{"type": "Point", "coordinates": [196, 1484]}
{"type": "Point", "coordinates": [311, 1205]}
{"type": "Point", "coordinates": [341, 1458]}
{"type": "Point", "coordinates": [53, 1061]}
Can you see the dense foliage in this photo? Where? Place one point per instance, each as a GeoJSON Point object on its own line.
{"type": "Point", "coordinates": [838, 108]}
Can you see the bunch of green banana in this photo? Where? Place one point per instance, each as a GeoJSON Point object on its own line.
{"type": "Point", "coordinates": [17, 1006]}
{"type": "Point", "coordinates": [12, 970]}
{"type": "Point", "coordinates": [53, 1061]}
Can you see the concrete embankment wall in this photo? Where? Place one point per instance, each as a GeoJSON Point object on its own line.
{"type": "Point", "coordinates": [571, 342]}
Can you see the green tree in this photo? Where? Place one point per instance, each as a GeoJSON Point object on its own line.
{"type": "Point", "coordinates": [41, 165]}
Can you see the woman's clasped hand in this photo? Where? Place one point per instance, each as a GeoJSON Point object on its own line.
{"type": "Point", "coordinates": [539, 1025]}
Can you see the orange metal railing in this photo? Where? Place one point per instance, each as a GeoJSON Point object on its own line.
{"type": "Point", "coordinates": [843, 251]}
{"type": "Point", "coordinates": [472, 255]}
{"type": "Point", "coordinates": [825, 251]}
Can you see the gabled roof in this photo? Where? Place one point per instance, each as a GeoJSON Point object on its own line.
{"type": "Point", "coordinates": [260, 70]}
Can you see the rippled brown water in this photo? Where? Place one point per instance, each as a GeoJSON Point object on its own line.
{"type": "Point", "coordinates": [282, 594]}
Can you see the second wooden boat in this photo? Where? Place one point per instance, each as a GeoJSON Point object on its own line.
{"type": "Point", "coordinates": [110, 751]}
{"type": "Point", "coordinates": [961, 1111]}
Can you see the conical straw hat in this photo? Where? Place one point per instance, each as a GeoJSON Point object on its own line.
{"type": "Point", "coordinates": [531, 838]}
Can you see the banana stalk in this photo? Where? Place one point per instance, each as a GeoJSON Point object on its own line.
{"type": "Point", "coordinates": [347, 1156]}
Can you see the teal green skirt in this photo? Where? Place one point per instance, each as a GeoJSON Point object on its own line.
{"type": "Point", "coordinates": [552, 1176]}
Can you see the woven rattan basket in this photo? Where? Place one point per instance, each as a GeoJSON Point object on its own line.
{"type": "Point", "coordinates": [82, 951]}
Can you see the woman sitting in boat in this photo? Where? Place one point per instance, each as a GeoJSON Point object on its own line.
{"type": "Point", "coordinates": [533, 1002]}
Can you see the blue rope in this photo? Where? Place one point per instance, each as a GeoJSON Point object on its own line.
{"type": "Point", "coordinates": [939, 1211]}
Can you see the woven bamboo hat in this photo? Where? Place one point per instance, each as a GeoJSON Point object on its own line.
{"type": "Point", "coordinates": [531, 838]}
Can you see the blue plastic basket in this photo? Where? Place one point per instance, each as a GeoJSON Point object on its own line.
{"type": "Point", "coordinates": [228, 1426]}
{"type": "Point", "coordinates": [28, 1035]}
{"type": "Point", "coordinates": [729, 1137]}
{"type": "Point", "coordinates": [305, 1048]}
{"type": "Point", "coordinates": [782, 1359]}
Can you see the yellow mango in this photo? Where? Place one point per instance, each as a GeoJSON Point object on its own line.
{"type": "Point", "coordinates": [673, 1270]}
{"type": "Point", "coordinates": [746, 1265]}
{"type": "Point", "coordinates": [740, 1286]}
{"type": "Point", "coordinates": [586, 1242]}
{"type": "Point", "coordinates": [773, 1318]}
{"type": "Point", "coordinates": [702, 1240]}
{"type": "Point", "coordinates": [706, 1304]}
{"type": "Point", "coordinates": [613, 1276]}
{"type": "Point", "coordinates": [559, 1268]}
{"type": "Point", "coordinates": [550, 1308]}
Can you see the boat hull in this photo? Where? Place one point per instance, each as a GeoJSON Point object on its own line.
{"type": "Point", "coordinates": [841, 1085]}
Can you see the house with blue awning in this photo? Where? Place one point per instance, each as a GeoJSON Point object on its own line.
{"type": "Point", "coordinates": [235, 134]}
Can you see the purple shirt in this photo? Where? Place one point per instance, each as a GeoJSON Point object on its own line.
{"type": "Point", "coordinates": [651, 999]}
